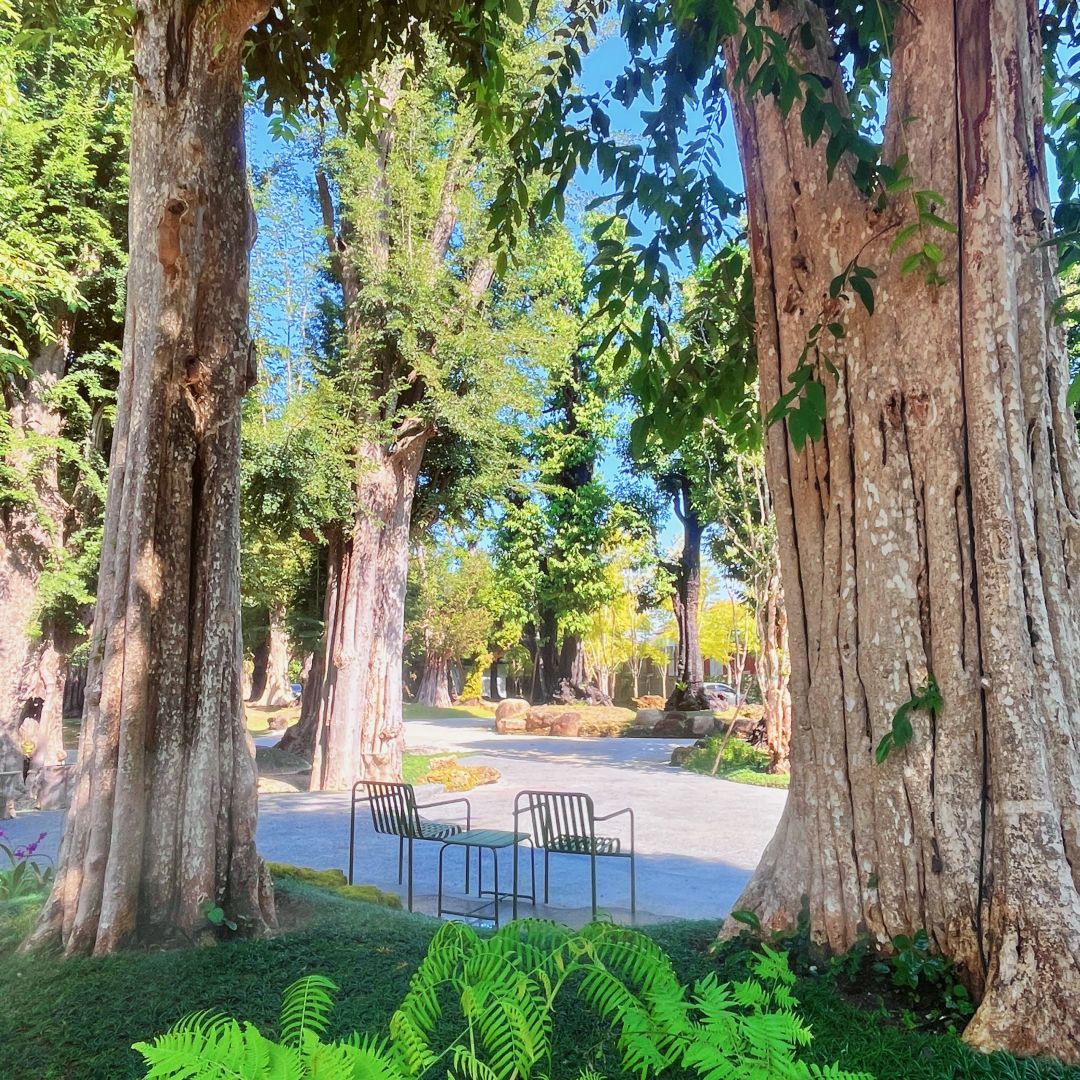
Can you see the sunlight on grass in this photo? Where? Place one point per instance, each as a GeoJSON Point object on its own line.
{"type": "Point", "coordinates": [741, 763]}
{"type": "Point", "coordinates": [429, 712]}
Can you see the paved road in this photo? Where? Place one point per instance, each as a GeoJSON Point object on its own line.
{"type": "Point", "coordinates": [698, 838]}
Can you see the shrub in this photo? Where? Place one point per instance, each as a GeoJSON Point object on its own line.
{"type": "Point", "coordinates": [24, 874]}
{"type": "Point", "coordinates": [483, 1008]}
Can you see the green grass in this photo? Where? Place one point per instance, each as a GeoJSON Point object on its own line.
{"type": "Point", "coordinates": [742, 763]}
{"type": "Point", "coordinates": [414, 766]}
{"type": "Point", "coordinates": [429, 712]}
{"type": "Point", "coordinates": [75, 1019]}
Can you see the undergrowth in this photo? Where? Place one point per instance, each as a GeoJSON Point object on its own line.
{"type": "Point", "coordinates": [76, 1019]}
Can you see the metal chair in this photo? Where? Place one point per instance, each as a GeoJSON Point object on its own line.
{"type": "Point", "coordinates": [564, 823]}
{"type": "Point", "coordinates": [395, 812]}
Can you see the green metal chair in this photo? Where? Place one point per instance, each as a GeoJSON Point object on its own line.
{"type": "Point", "coordinates": [395, 812]}
{"type": "Point", "coordinates": [564, 823]}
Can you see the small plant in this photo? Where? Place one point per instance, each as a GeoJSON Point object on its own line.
{"type": "Point", "coordinates": [216, 917]}
{"type": "Point", "coordinates": [498, 994]}
{"type": "Point", "coordinates": [936, 994]}
{"type": "Point", "coordinates": [24, 873]}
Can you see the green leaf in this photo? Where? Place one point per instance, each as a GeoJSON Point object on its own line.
{"type": "Point", "coordinates": [864, 291]}
{"type": "Point", "coordinates": [903, 236]}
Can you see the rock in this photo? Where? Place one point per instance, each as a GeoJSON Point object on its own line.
{"type": "Point", "coordinates": [510, 725]}
{"type": "Point", "coordinates": [510, 708]}
{"type": "Point", "coordinates": [648, 718]}
{"type": "Point", "coordinates": [567, 725]}
{"type": "Point", "coordinates": [681, 755]}
{"type": "Point", "coordinates": [701, 722]}
{"type": "Point", "coordinates": [673, 725]}
{"type": "Point", "coordinates": [278, 722]}
{"type": "Point", "coordinates": [537, 720]}
{"type": "Point", "coordinates": [650, 701]}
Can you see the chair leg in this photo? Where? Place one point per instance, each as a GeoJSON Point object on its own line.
{"type": "Point", "coordinates": [400, 858]}
{"type": "Point", "coordinates": [514, 882]}
{"type": "Point", "coordinates": [633, 887]}
{"type": "Point", "coordinates": [495, 861]}
{"type": "Point", "coordinates": [410, 873]}
{"type": "Point", "coordinates": [592, 861]}
{"type": "Point", "coordinates": [352, 836]}
{"type": "Point", "coordinates": [547, 873]}
{"type": "Point", "coordinates": [532, 859]}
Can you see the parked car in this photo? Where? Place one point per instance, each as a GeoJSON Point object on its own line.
{"type": "Point", "coordinates": [722, 690]}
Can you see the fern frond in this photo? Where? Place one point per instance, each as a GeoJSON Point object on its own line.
{"type": "Point", "coordinates": [206, 1046]}
{"type": "Point", "coordinates": [305, 1009]}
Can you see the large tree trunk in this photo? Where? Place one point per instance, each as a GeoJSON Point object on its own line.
{"type": "Point", "coordinates": [163, 820]}
{"type": "Point", "coordinates": [934, 529]}
{"type": "Point", "coordinates": [689, 692]}
{"type": "Point", "coordinates": [359, 734]}
{"type": "Point", "coordinates": [434, 688]}
{"type": "Point", "coordinates": [773, 672]}
{"type": "Point", "coordinates": [276, 689]}
{"type": "Point", "coordinates": [260, 660]}
{"type": "Point", "coordinates": [31, 668]}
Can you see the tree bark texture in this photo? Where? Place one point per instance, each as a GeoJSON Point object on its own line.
{"type": "Point", "coordinates": [276, 691]}
{"type": "Point", "coordinates": [360, 734]}
{"type": "Point", "coordinates": [934, 529]}
{"type": "Point", "coordinates": [31, 668]}
{"type": "Point", "coordinates": [163, 820]}
{"type": "Point", "coordinates": [773, 672]}
{"type": "Point", "coordinates": [434, 688]}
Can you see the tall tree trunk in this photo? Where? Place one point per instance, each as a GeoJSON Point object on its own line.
{"type": "Point", "coordinates": [359, 734]}
{"type": "Point", "coordinates": [260, 660]}
{"type": "Point", "coordinates": [934, 529]}
{"type": "Point", "coordinates": [434, 689]}
{"type": "Point", "coordinates": [31, 669]}
{"type": "Point", "coordinates": [773, 672]}
{"type": "Point", "coordinates": [163, 820]}
{"type": "Point", "coordinates": [688, 692]}
{"type": "Point", "coordinates": [276, 689]}
{"type": "Point", "coordinates": [300, 738]}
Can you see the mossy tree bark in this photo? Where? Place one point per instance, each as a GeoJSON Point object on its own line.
{"type": "Point", "coordinates": [933, 529]}
{"type": "Point", "coordinates": [163, 820]}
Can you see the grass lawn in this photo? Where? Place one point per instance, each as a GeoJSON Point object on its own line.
{"type": "Point", "coordinates": [742, 763]}
{"type": "Point", "coordinates": [429, 712]}
{"type": "Point", "coordinates": [76, 1018]}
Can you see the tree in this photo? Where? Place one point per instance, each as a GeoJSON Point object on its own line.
{"type": "Point", "coordinates": [418, 359]}
{"type": "Point", "coordinates": [449, 616]}
{"type": "Point", "coordinates": [746, 546]}
{"type": "Point", "coordinates": [62, 127]}
{"type": "Point", "coordinates": [163, 818]}
{"type": "Point", "coordinates": [922, 458]}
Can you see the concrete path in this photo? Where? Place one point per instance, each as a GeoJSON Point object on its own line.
{"type": "Point", "coordinates": [698, 838]}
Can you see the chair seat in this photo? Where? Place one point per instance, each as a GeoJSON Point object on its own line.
{"type": "Point", "coordinates": [579, 845]}
{"type": "Point", "coordinates": [436, 830]}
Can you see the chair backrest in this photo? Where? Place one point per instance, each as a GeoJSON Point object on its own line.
{"type": "Point", "coordinates": [393, 808]}
{"type": "Point", "coordinates": [557, 815]}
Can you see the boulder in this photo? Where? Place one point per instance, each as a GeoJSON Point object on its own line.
{"type": "Point", "coordinates": [673, 725]}
{"type": "Point", "coordinates": [510, 708]}
{"type": "Point", "coordinates": [537, 720]}
{"type": "Point", "coordinates": [278, 722]}
{"type": "Point", "coordinates": [509, 725]}
{"type": "Point", "coordinates": [702, 722]}
{"type": "Point", "coordinates": [681, 755]}
{"type": "Point", "coordinates": [650, 701]}
{"type": "Point", "coordinates": [648, 718]}
{"type": "Point", "coordinates": [567, 725]}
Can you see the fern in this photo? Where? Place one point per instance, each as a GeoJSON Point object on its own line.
{"type": "Point", "coordinates": [504, 989]}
